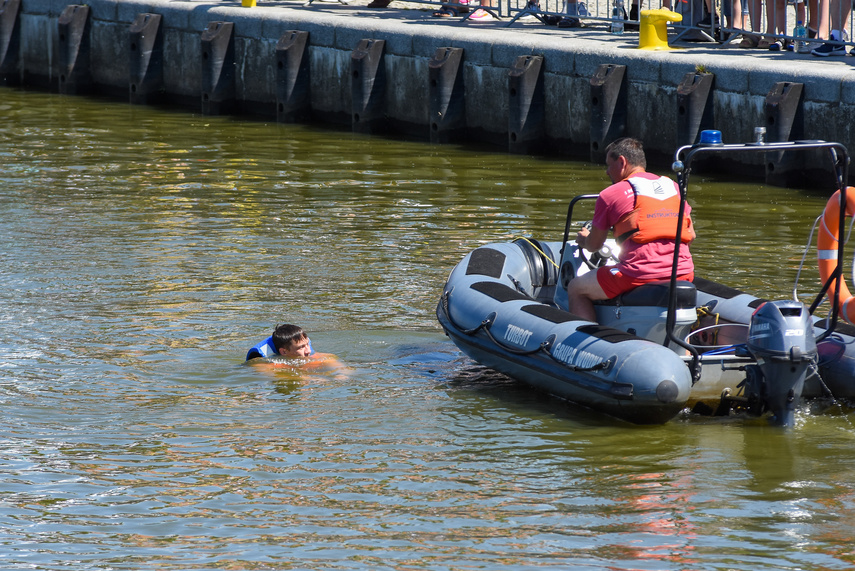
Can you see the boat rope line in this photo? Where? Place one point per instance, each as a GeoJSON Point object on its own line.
{"type": "Point", "coordinates": [804, 255]}
{"type": "Point", "coordinates": [544, 346]}
{"type": "Point", "coordinates": [834, 402]}
{"type": "Point", "coordinates": [815, 369]}
{"type": "Point", "coordinates": [607, 363]}
{"type": "Point", "coordinates": [488, 322]}
{"type": "Point", "coordinates": [539, 251]}
{"type": "Point", "coordinates": [704, 311]}
{"type": "Point", "coordinates": [456, 326]}
{"type": "Point", "coordinates": [816, 223]}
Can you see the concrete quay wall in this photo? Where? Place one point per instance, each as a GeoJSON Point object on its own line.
{"type": "Point", "coordinates": [548, 98]}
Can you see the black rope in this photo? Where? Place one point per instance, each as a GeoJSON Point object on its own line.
{"type": "Point", "coordinates": [545, 346]}
{"type": "Point", "coordinates": [513, 350]}
{"type": "Point", "coordinates": [482, 325]}
{"type": "Point", "coordinates": [598, 367]}
{"type": "Point", "coordinates": [485, 325]}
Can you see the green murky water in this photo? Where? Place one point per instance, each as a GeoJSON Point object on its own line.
{"type": "Point", "coordinates": [143, 251]}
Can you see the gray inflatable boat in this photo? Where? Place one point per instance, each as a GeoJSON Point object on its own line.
{"type": "Point", "coordinates": [661, 348]}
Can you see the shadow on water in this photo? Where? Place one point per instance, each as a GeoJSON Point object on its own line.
{"type": "Point", "coordinates": [479, 386]}
{"type": "Point", "coordinates": [472, 384]}
{"type": "Point", "coordinates": [415, 357]}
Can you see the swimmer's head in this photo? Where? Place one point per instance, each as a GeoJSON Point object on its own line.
{"type": "Point", "coordinates": [291, 341]}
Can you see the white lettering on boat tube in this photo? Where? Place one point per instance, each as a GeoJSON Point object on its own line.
{"type": "Point", "coordinates": [517, 335]}
{"type": "Point", "coordinates": [572, 356]}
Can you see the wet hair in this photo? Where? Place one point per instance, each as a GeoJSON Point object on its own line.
{"type": "Point", "coordinates": [286, 334]}
{"type": "Point", "coordinates": [630, 149]}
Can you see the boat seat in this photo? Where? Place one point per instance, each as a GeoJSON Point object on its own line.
{"type": "Point", "coordinates": [655, 294]}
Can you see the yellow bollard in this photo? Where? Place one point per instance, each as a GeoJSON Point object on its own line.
{"type": "Point", "coordinates": [652, 32]}
{"type": "Point", "coordinates": [247, 3]}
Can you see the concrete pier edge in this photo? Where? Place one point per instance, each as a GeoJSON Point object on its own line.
{"type": "Point", "coordinates": [569, 59]}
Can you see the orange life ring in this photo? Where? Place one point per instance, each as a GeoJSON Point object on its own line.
{"type": "Point", "coordinates": [826, 246]}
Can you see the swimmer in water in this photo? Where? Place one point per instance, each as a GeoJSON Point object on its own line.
{"type": "Point", "coordinates": [290, 346]}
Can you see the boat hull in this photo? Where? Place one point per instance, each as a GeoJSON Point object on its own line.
{"type": "Point", "coordinates": [488, 312]}
{"type": "Point", "coordinates": [504, 305]}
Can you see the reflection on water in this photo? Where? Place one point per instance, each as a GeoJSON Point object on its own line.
{"type": "Point", "coordinates": [145, 250]}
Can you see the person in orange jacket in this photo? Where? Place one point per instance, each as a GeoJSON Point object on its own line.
{"type": "Point", "coordinates": [641, 208]}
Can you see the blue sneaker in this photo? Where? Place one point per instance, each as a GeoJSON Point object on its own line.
{"type": "Point", "coordinates": [827, 49]}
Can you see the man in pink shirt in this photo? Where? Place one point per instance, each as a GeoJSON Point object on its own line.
{"type": "Point", "coordinates": [642, 208]}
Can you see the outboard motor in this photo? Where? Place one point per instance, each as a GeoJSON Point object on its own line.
{"type": "Point", "coordinates": [781, 340]}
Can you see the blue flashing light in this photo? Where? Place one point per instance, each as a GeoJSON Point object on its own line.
{"type": "Point", "coordinates": [711, 137]}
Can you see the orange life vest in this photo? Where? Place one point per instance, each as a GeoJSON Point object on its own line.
{"type": "Point", "coordinates": [657, 205]}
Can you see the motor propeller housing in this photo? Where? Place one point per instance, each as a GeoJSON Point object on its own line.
{"type": "Point", "coordinates": [781, 340]}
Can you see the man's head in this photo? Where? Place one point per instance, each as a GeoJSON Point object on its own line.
{"type": "Point", "coordinates": [624, 157]}
{"type": "Point", "coordinates": [291, 341]}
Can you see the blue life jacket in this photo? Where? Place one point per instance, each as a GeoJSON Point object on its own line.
{"type": "Point", "coordinates": [267, 350]}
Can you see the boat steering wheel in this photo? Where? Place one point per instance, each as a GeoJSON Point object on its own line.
{"type": "Point", "coordinates": [599, 258]}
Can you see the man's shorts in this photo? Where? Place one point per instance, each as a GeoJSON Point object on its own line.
{"type": "Point", "coordinates": [615, 283]}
